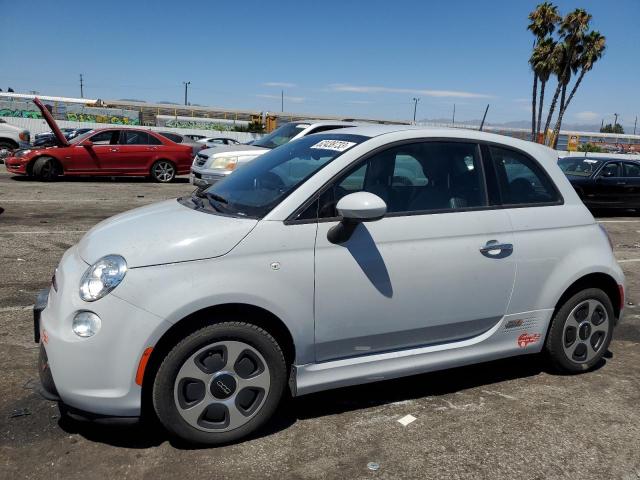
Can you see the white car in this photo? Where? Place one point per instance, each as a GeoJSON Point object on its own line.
{"type": "Point", "coordinates": [341, 258]}
{"type": "Point", "coordinates": [212, 165]}
{"type": "Point", "coordinates": [217, 141]}
{"type": "Point", "coordinates": [12, 138]}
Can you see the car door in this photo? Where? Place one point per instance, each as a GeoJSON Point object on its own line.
{"type": "Point", "coordinates": [608, 189]}
{"type": "Point", "coordinates": [631, 175]}
{"type": "Point", "coordinates": [423, 274]}
{"type": "Point", "coordinates": [138, 149]}
{"type": "Point", "coordinates": [96, 157]}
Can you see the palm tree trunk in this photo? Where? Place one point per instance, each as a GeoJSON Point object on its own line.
{"type": "Point", "coordinates": [566, 105]}
{"type": "Point", "coordinates": [542, 85]}
{"type": "Point", "coordinates": [563, 107]}
{"type": "Point", "coordinates": [533, 106]}
{"type": "Point", "coordinates": [552, 107]}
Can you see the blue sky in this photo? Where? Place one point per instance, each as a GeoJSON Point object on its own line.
{"type": "Point", "coordinates": [361, 58]}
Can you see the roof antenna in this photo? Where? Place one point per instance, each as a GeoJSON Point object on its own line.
{"type": "Point", "coordinates": [484, 117]}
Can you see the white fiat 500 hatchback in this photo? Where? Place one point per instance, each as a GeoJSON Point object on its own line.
{"type": "Point", "coordinates": [341, 258]}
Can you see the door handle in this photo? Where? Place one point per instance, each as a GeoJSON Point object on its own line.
{"type": "Point", "coordinates": [494, 249]}
{"type": "Point", "coordinates": [115, 149]}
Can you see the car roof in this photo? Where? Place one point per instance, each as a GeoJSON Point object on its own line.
{"type": "Point", "coordinates": [324, 123]}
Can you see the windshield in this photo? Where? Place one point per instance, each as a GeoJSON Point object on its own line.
{"type": "Point", "coordinates": [253, 190]}
{"type": "Point", "coordinates": [82, 136]}
{"type": "Point", "coordinates": [280, 135]}
{"type": "Point", "coordinates": [579, 166]}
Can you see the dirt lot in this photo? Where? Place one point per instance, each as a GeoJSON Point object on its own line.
{"type": "Point", "coordinates": [506, 419]}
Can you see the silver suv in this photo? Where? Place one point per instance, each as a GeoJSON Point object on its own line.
{"type": "Point", "coordinates": [345, 257]}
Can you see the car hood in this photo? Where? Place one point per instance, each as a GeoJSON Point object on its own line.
{"type": "Point", "coordinates": [236, 149]}
{"type": "Point", "coordinates": [62, 140]}
{"type": "Point", "coordinates": [164, 232]}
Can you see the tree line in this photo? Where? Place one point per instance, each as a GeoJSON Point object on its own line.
{"type": "Point", "coordinates": [566, 49]}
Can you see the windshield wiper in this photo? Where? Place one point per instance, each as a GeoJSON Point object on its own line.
{"type": "Point", "coordinates": [196, 198]}
{"type": "Point", "coordinates": [216, 197]}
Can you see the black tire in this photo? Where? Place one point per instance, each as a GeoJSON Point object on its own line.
{"type": "Point", "coordinates": [9, 147]}
{"type": "Point", "coordinates": [558, 343]}
{"type": "Point", "coordinates": [167, 407]}
{"type": "Point", "coordinates": [45, 169]}
{"type": "Point", "coordinates": [163, 171]}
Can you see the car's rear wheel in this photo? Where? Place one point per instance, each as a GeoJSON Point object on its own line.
{"type": "Point", "coordinates": [220, 383]}
{"type": "Point", "coordinates": [45, 169]}
{"type": "Point", "coordinates": [581, 331]}
{"type": "Point", "coordinates": [163, 171]}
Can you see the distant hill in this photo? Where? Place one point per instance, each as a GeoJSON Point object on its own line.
{"type": "Point", "coordinates": [578, 127]}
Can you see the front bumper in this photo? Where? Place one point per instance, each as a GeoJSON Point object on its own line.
{"type": "Point", "coordinates": [201, 177]}
{"type": "Point", "coordinates": [15, 165]}
{"type": "Point", "coordinates": [96, 374]}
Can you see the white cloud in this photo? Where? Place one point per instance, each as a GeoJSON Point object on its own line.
{"type": "Point", "coordinates": [287, 99]}
{"type": "Point", "coordinates": [360, 102]}
{"type": "Point", "coordinates": [587, 116]}
{"type": "Point", "coordinates": [342, 87]}
{"type": "Point", "coordinates": [280, 84]}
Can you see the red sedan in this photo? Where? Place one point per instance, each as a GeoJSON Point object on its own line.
{"type": "Point", "coordinates": [104, 151]}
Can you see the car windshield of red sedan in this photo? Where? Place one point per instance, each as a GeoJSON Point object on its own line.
{"type": "Point", "coordinates": [579, 166]}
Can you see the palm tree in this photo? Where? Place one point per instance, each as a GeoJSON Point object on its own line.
{"type": "Point", "coordinates": [593, 47]}
{"type": "Point", "coordinates": [572, 31]}
{"type": "Point", "coordinates": [543, 23]}
{"type": "Point", "coordinates": [543, 64]}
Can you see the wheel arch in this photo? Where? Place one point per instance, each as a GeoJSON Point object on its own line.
{"type": "Point", "coordinates": [208, 316]}
{"type": "Point", "coordinates": [10, 141]}
{"type": "Point", "coordinates": [600, 280]}
{"type": "Point", "coordinates": [33, 161]}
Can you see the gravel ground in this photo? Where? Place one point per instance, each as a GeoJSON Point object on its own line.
{"type": "Point", "coordinates": [505, 419]}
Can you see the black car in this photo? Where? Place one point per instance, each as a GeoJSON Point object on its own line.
{"type": "Point", "coordinates": [604, 182]}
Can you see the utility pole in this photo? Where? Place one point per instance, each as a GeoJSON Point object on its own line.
{"type": "Point", "coordinates": [415, 108]}
{"type": "Point", "coordinates": [81, 89]}
{"type": "Point", "coordinates": [602, 125]}
{"type": "Point", "coordinates": [282, 100]}
{"type": "Point", "coordinates": [484, 117]}
{"type": "Point", "coordinates": [186, 86]}
{"type": "Point", "coordinates": [635, 124]}
{"type": "Point", "coordinates": [453, 122]}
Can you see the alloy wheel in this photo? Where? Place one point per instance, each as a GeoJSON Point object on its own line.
{"type": "Point", "coordinates": [222, 386]}
{"type": "Point", "coordinates": [163, 171]}
{"type": "Point", "coordinates": [585, 331]}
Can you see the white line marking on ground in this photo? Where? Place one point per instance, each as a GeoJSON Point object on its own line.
{"type": "Point", "coordinates": [503, 395]}
{"type": "Point", "coordinates": [43, 232]}
{"type": "Point", "coordinates": [619, 221]}
{"type": "Point", "coordinates": [15, 309]}
{"type": "Point", "coordinates": [629, 260]}
{"type": "Point", "coordinates": [406, 420]}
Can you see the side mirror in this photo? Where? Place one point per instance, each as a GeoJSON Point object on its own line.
{"type": "Point", "coordinates": [354, 209]}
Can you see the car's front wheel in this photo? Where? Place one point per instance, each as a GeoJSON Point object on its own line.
{"type": "Point", "coordinates": [581, 331]}
{"type": "Point", "coordinates": [45, 169]}
{"type": "Point", "coordinates": [220, 383]}
{"type": "Point", "coordinates": [163, 171]}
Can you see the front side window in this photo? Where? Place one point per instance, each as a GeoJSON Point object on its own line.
{"type": "Point", "coordinates": [521, 180]}
{"type": "Point", "coordinates": [253, 190]}
{"type": "Point", "coordinates": [135, 137]}
{"type": "Point", "coordinates": [611, 169]}
{"type": "Point", "coordinates": [417, 177]}
{"type": "Point", "coordinates": [108, 137]}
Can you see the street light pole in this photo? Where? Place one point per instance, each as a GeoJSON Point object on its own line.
{"type": "Point", "coordinates": [186, 86]}
{"type": "Point", "coordinates": [282, 100]}
{"type": "Point", "coordinates": [81, 85]}
{"type": "Point", "coordinates": [615, 122]}
{"type": "Point", "coordinates": [415, 108]}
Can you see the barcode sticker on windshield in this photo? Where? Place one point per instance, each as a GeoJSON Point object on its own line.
{"type": "Point", "coordinates": [337, 145]}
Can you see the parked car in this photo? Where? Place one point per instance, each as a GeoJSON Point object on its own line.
{"type": "Point", "coordinates": [48, 139]}
{"type": "Point", "coordinates": [604, 182]}
{"type": "Point", "coordinates": [215, 141]}
{"type": "Point", "coordinates": [194, 136]}
{"type": "Point", "coordinates": [104, 151]}
{"type": "Point", "coordinates": [12, 138]}
{"type": "Point", "coordinates": [76, 132]}
{"type": "Point", "coordinates": [341, 258]}
{"type": "Point", "coordinates": [185, 140]}
{"type": "Point", "coordinates": [212, 165]}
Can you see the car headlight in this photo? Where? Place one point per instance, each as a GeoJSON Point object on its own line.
{"type": "Point", "coordinates": [102, 277]}
{"type": "Point", "coordinates": [224, 162]}
{"type": "Point", "coordinates": [22, 153]}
